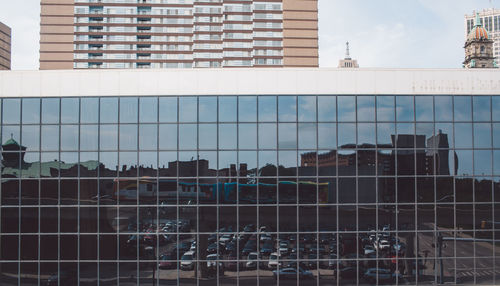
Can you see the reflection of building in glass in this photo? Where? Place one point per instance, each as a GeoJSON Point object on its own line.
{"type": "Point", "coordinates": [438, 149]}
{"type": "Point", "coordinates": [117, 182]}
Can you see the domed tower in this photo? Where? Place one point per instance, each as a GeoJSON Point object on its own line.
{"type": "Point", "coordinates": [479, 48]}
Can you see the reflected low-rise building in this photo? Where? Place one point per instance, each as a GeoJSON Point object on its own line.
{"type": "Point", "coordinates": [310, 176]}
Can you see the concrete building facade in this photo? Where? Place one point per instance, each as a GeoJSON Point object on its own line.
{"type": "Point", "coordinates": [178, 34]}
{"type": "Point", "coordinates": [5, 47]}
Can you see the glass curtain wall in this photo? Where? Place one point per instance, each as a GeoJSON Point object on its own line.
{"type": "Point", "coordinates": [250, 190]}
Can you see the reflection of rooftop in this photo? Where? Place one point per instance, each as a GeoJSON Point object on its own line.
{"type": "Point", "coordinates": [45, 169]}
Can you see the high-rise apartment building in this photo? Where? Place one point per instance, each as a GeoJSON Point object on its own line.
{"type": "Point", "coordinates": [490, 20]}
{"type": "Point", "coordinates": [178, 33]}
{"type": "Point", "coordinates": [5, 39]}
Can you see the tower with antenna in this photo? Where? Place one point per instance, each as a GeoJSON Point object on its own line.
{"type": "Point", "coordinates": [347, 61]}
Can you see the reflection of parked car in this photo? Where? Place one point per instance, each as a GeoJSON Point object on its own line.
{"type": "Point", "coordinates": [187, 260]}
{"type": "Point", "coordinates": [273, 261]}
{"type": "Point", "coordinates": [292, 273]}
{"type": "Point", "coordinates": [212, 260]}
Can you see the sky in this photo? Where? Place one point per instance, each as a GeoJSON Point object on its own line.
{"type": "Point", "coordinates": [382, 33]}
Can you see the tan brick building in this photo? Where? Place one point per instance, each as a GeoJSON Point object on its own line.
{"type": "Point", "coordinates": [178, 33]}
{"type": "Point", "coordinates": [5, 46]}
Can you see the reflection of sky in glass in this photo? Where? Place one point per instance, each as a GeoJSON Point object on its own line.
{"type": "Point", "coordinates": [148, 159]}
{"type": "Point", "coordinates": [287, 135]}
{"type": "Point", "coordinates": [496, 135]}
{"type": "Point", "coordinates": [69, 137]}
{"type": "Point", "coordinates": [288, 159]}
{"type": "Point", "coordinates": [495, 102]}
{"type": "Point", "coordinates": [168, 109]}
{"type": "Point", "coordinates": [227, 108]}
{"type": "Point", "coordinates": [464, 162]}
{"type": "Point", "coordinates": [226, 158]}
{"type": "Point", "coordinates": [168, 136]}
{"type": "Point", "coordinates": [108, 137]}
{"type": "Point", "coordinates": [267, 108]}
{"type": "Point", "coordinates": [444, 108]}
{"type": "Point", "coordinates": [424, 108]}
{"type": "Point", "coordinates": [366, 108]}
{"type": "Point", "coordinates": [463, 135]}
{"type": "Point", "coordinates": [247, 136]}
{"type": "Point", "coordinates": [11, 111]}
{"type": "Point", "coordinates": [307, 136]}
{"type": "Point", "coordinates": [405, 128]}
{"type": "Point", "coordinates": [148, 136]}
{"type": "Point", "coordinates": [31, 157]}
{"type": "Point", "coordinates": [247, 108]}
{"type": "Point", "coordinates": [287, 108]}
{"type": "Point", "coordinates": [404, 108]}
{"type": "Point", "coordinates": [346, 108]}
{"type": "Point", "coordinates": [327, 108]}
{"type": "Point", "coordinates": [267, 136]}
{"type": "Point", "coordinates": [90, 110]}
{"type": "Point", "coordinates": [384, 132]}
{"type": "Point", "coordinates": [307, 108]}
{"type": "Point", "coordinates": [70, 110]}
{"type": "Point", "coordinates": [227, 136]}
{"type": "Point", "coordinates": [496, 162]}
{"type": "Point", "coordinates": [267, 157]}
{"type": "Point", "coordinates": [385, 108]}
{"type": "Point", "coordinates": [69, 157]}
{"type": "Point", "coordinates": [165, 157]}
{"type": "Point", "coordinates": [50, 137]}
{"type": "Point", "coordinates": [188, 108]}
{"type": "Point", "coordinates": [426, 129]}
{"type": "Point", "coordinates": [128, 137]}
{"type": "Point", "coordinates": [127, 158]}
{"type": "Point", "coordinates": [366, 133]}
{"type": "Point", "coordinates": [11, 131]}
{"type": "Point", "coordinates": [50, 110]}
{"type": "Point", "coordinates": [249, 158]}
{"type": "Point", "coordinates": [89, 137]}
{"type": "Point", "coordinates": [211, 157]}
{"type": "Point", "coordinates": [187, 136]}
{"type": "Point", "coordinates": [148, 109]}
{"type": "Point", "coordinates": [208, 136]}
{"type": "Point", "coordinates": [482, 107]}
{"type": "Point", "coordinates": [327, 136]}
{"type": "Point", "coordinates": [347, 133]}
{"type": "Point", "coordinates": [482, 135]}
{"type": "Point", "coordinates": [109, 159]}
{"type": "Point", "coordinates": [128, 110]}
{"type": "Point", "coordinates": [482, 162]}
{"type": "Point", "coordinates": [31, 110]}
{"type": "Point", "coordinates": [208, 109]}
{"type": "Point", "coordinates": [31, 138]}
{"type": "Point", "coordinates": [109, 110]}
{"type": "Point", "coordinates": [462, 106]}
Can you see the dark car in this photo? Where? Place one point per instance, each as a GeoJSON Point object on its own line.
{"type": "Point", "coordinates": [292, 273]}
{"type": "Point", "coordinates": [267, 248]}
{"type": "Point", "coordinates": [212, 248]}
{"type": "Point", "coordinates": [167, 261]}
{"type": "Point", "coordinates": [63, 278]}
{"type": "Point", "coordinates": [250, 246]}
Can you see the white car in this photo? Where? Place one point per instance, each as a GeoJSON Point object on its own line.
{"type": "Point", "coordinates": [383, 244]}
{"type": "Point", "coordinates": [369, 249]}
{"type": "Point", "coordinates": [283, 247]}
{"type": "Point", "coordinates": [187, 260]}
{"type": "Point", "coordinates": [273, 261]}
{"type": "Point", "coordinates": [226, 238]}
{"type": "Point", "coordinates": [265, 237]}
{"type": "Point", "coordinates": [252, 260]}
